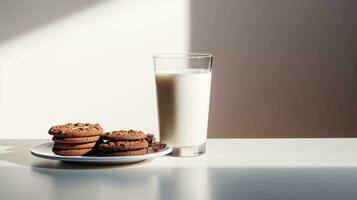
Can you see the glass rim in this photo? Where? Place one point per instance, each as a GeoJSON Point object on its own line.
{"type": "Point", "coordinates": [182, 55]}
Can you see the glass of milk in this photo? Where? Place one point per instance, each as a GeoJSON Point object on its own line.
{"type": "Point", "coordinates": [183, 85]}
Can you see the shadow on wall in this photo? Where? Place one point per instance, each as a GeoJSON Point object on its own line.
{"type": "Point", "coordinates": [281, 68]}
{"type": "Point", "coordinates": [20, 16]}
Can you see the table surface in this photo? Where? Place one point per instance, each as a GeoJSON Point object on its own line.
{"type": "Point", "coordinates": [230, 169]}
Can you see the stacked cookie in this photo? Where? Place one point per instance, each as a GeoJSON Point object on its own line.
{"type": "Point", "coordinates": [75, 139]}
{"type": "Point", "coordinates": [123, 143]}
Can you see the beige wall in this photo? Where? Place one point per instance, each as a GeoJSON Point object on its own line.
{"type": "Point", "coordinates": [282, 68]}
{"type": "Point", "coordinates": [84, 60]}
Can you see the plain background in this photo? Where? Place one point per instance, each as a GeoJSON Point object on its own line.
{"type": "Point", "coordinates": [282, 68]}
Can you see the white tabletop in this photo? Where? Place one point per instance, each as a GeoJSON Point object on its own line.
{"type": "Point", "coordinates": [231, 169]}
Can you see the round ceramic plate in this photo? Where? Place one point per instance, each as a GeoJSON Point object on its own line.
{"type": "Point", "coordinates": [45, 151]}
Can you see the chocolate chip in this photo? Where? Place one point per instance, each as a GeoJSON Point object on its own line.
{"type": "Point", "coordinates": [150, 138]}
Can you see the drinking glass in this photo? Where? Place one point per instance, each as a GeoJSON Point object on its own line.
{"type": "Point", "coordinates": [183, 85]}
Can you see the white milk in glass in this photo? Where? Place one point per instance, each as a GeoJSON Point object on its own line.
{"type": "Point", "coordinates": [183, 103]}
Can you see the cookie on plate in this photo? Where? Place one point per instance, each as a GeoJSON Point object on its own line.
{"type": "Point", "coordinates": [76, 130]}
{"type": "Point", "coordinates": [89, 145]}
{"type": "Point", "coordinates": [123, 145]}
{"type": "Point", "coordinates": [72, 152]}
{"type": "Point", "coordinates": [123, 153]}
{"type": "Point", "coordinates": [75, 140]}
{"type": "Point", "coordinates": [124, 135]}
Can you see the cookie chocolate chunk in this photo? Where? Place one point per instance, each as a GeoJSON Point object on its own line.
{"type": "Point", "coordinates": [72, 152]}
{"type": "Point", "coordinates": [150, 138]}
{"type": "Point", "coordinates": [75, 140]}
{"type": "Point", "coordinates": [155, 147]}
{"type": "Point", "coordinates": [124, 135]}
{"type": "Point", "coordinates": [123, 153]}
{"type": "Point", "coordinates": [74, 146]}
{"type": "Point", "coordinates": [123, 145]}
{"type": "Point", "coordinates": [76, 130]}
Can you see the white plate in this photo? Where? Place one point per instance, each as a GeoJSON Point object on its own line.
{"type": "Point", "coordinates": [45, 151]}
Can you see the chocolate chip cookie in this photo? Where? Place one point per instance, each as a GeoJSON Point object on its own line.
{"type": "Point", "coordinates": [75, 140]}
{"type": "Point", "coordinates": [72, 152]}
{"type": "Point", "coordinates": [123, 145]}
{"type": "Point", "coordinates": [123, 153]}
{"type": "Point", "coordinates": [89, 145]}
{"type": "Point", "coordinates": [124, 135]}
{"type": "Point", "coordinates": [76, 130]}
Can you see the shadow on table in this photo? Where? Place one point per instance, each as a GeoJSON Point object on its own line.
{"type": "Point", "coordinates": [206, 183]}
{"type": "Point", "coordinates": [139, 183]}
{"type": "Point", "coordinates": [17, 152]}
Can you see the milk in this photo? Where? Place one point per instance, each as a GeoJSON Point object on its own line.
{"type": "Point", "coordinates": [183, 101]}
